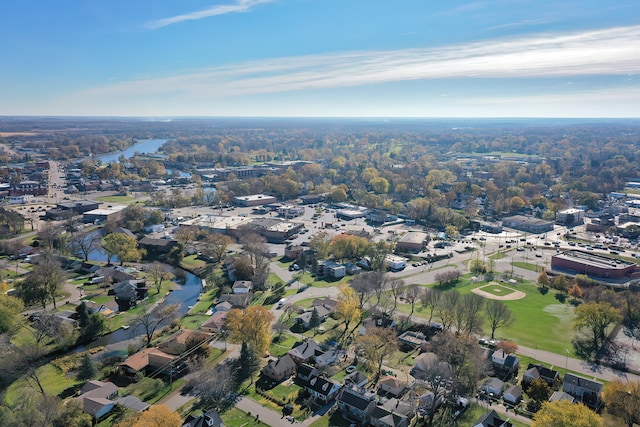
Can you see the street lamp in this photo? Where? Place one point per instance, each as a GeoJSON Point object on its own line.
{"type": "Point", "coordinates": [566, 364]}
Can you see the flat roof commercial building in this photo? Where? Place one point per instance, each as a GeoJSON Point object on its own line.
{"type": "Point", "coordinates": [594, 265]}
{"type": "Point", "coordinates": [254, 200]}
{"type": "Point", "coordinates": [413, 241]}
{"type": "Point", "coordinates": [100, 215]}
{"type": "Point", "coordinates": [528, 224]}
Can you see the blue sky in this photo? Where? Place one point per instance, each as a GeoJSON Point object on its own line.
{"type": "Point", "coordinates": [360, 58]}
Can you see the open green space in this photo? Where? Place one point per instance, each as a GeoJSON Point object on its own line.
{"type": "Point", "coordinates": [192, 262]}
{"type": "Point", "coordinates": [121, 199]}
{"type": "Point", "coordinates": [53, 381]}
{"type": "Point", "coordinates": [235, 417]}
{"type": "Point", "coordinates": [280, 345]}
{"type": "Point", "coordinates": [541, 320]}
{"type": "Point", "coordinates": [497, 290]}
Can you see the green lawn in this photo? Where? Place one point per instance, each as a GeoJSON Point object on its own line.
{"type": "Point", "coordinates": [192, 263]}
{"type": "Point", "coordinates": [283, 345]}
{"type": "Point", "coordinates": [53, 381]}
{"type": "Point", "coordinates": [541, 320]}
{"type": "Point", "coordinates": [498, 290]}
{"type": "Point", "coordinates": [234, 417]}
{"type": "Point", "coordinates": [123, 200]}
{"type": "Point", "coordinates": [193, 321]}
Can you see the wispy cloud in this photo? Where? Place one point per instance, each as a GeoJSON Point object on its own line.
{"type": "Point", "coordinates": [613, 51]}
{"type": "Point", "coordinates": [221, 9]}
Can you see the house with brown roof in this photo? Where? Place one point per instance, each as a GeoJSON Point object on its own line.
{"type": "Point", "coordinates": [215, 322]}
{"type": "Point", "coordinates": [280, 369]}
{"type": "Point", "coordinates": [237, 300]}
{"type": "Point", "coordinates": [180, 341]}
{"type": "Point", "coordinates": [148, 359]}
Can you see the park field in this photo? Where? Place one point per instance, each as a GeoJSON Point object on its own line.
{"type": "Point", "coordinates": [541, 320]}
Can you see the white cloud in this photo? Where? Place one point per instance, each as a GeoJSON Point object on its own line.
{"type": "Point", "coordinates": [222, 9]}
{"type": "Point", "coordinates": [613, 51]}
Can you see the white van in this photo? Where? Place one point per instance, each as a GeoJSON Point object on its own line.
{"type": "Point", "coordinates": [281, 303]}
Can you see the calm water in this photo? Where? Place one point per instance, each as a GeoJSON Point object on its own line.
{"type": "Point", "coordinates": [186, 295]}
{"type": "Point", "coordinates": [143, 146]}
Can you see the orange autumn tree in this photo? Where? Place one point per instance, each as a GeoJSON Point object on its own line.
{"type": "Point", "coordinates": [155, 416]}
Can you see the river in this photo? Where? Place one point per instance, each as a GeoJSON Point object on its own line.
{"type": "Point", "coordinates": [143, 146]}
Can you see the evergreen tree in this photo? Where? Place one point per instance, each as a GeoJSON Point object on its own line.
{"type": "Point", "coordinates": [314, 322]}
{"type": "Point", "coordinates": [248, 362]}
{"type": "Point", "coordinates": [87, 368]}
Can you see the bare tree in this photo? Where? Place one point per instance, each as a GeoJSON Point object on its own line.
{"type": "Point", "coordinates": [50, 233]}
{"type": "Point", "coordinates": [217, 244]}
{"type": "Point", "coordinates": [47, 276]}
{"type": "Point", "coordinates": [362, 285]}
{"type": "Point", "coordinates": [214, 385]}
{"type": "Point", "coordinates": [396, 286]}
{"type": "Point", "coordinates": [85, 242]}
{"type": "Point", "coordinates": [430, 300]}
{"type": "Point", "coordinates": [498, 315]}
{"type": "Point", "coordinates": [413, 294]}
{"type": "Point", "coordinates": [154, 316]}
{"type": "Point", "coordinates": [159, 273]}
{"type": "Point", "coordinates": [472, 304]}
{"type": "Point", "coordinates": [279, 328]}
{"type": "Point", "coordinates": [448, 308]}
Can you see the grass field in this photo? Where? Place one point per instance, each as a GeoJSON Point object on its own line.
{"type": "Point", "coordinates": [53, 381]}
{"type": "Point", "coordinates": [541, 320]}
{"type": "Point", "coordinates": [123, 200]}
{"type": "Point", "coordinates": [234, 417]}
{"type": "Point", "coordinates": [497, 290]}
{"type": "Point", "coordinates": [192, 262]}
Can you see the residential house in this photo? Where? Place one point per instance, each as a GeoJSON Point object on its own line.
{"type": "Point", "coordinates": [492, 419]}
{"type": "Point", "coordinates": [392, 413]}
{"type": "Point", "coordinates": [429, 403]}
{"type": "Point", "coordinates": [305, 352]}
{"type": "Point", "coordinates": [535, 372]}
{"type": "Point", "coordinates": [148, 359]}
{"type": "Point", "coordinates": [413, 339]}
{"type": "Point", "coordinates": [237, 300]}
{"type": "Point", "coordinates": [304, 319]}
{"type": "Point", "coordinates": [512, 395]}
{"type": "Point", "coordinates": [210, 418]}
{"type": "Point", "coordinates": [242, 286]}
{"type": "Point", "coordinates": [356, 404]}
{"type": "Point", "coordinates": [215, 322]}
{"type": "Point", "coordinates": [280, 369]}
{"type": "Point", "coordinates": [128, 292]}
{"type": "Point", "coordinates": [184, 339]}
{"type": "Point", "coordinates": [305, 372]}
{"type": "Point", "coordinates": [326, 302]}
{"type": "Point", "coordinates": [157, 246]}
{"type": "Point", "coordinates": [356, 378]}
{"type": "Point", "coordinates": [492, 387]}
{"type": "Point", "coordinates": [327, 358]}
{"type": "Point", "coordinates": [322, 390]}
{"type": "Point", "coordinates": [114, 274]}
{"type": "Point", "coordinates": [561, 395]}
{"type": "Point", "coordinates": [106, 309]}
{"type": "Point", "coordinates": [391, 385]}
{"type": "Point", "coordinates": [505, 362]}
{"type": "Point", "coordinates": [583, 389]}
{"type": "Point", "coordinates": [96, 398]}
{"type": "Point", "coordinates": [133, 403]}
{"type": "Point", "coordinates": [223, 306]}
